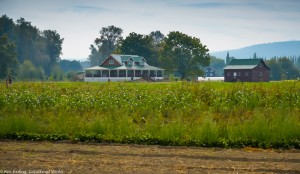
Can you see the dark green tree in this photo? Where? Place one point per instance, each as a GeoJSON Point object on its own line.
{"type": "Point", "coordinates": [7, 27]}
{"type": "Point", "coordinates": [42, 49]}
{"type": "Point", "coordinates": [184, 54]}
{"type": "Point", "coordinates": [137, 44]}
{"type": "Point", "coordinates": [291, 72]}
{"type": "Point", "coordinates": [254, 56]}
{"type": "Point", "coordinates": [95, 57]}
{"type": "Point", "coordinates": [54, 48]}
{"type": "Point", "coordinates": [276, 70]}
{"type": "Point", "coordinates": [8, 57]}
{"type": "Point", "coordinates": [68, 65]}
{"type": "Point", "coordinates": [228, 59]}
{"type": "Point", "coordinates": [109, 39]}
{"type": "Point", "coordinates": [157, 38]}
{"type": "Point", "coordinates": [26, 35]}
{"type": "Point", "coordinates": [282, 68]}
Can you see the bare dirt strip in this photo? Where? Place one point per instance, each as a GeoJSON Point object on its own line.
{"type": "Point", "coordinates": [63, 157]}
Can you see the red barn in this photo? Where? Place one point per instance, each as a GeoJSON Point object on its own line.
{"type": "Point", "coordinates": [247, 70]}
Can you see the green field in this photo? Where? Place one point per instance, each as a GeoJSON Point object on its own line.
{"type": "Point", "coordinates": [211, 114]}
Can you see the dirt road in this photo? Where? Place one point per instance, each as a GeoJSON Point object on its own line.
{"type": "Point", "coordinates": [47, 157]}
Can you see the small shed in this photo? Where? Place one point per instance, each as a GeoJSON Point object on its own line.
{"type": "Point", "coordinates": [247, 70]}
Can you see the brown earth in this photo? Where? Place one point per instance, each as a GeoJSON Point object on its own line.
{"type": "Point", "coordinates": [48, 157]}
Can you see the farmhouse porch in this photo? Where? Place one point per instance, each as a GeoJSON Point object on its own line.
{"type": "Point", "coordinates": [123, 68]}
{"type": "Point", "coordinates": [118, 74]}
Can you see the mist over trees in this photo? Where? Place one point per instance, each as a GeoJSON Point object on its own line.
{"type": "Point", "coordinates": [284, 68]}
{"type": "Point", "coordinates": [27, 53]}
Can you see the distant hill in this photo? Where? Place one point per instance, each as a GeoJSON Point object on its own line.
{"type": "Point", "coordinates": [267, 50]}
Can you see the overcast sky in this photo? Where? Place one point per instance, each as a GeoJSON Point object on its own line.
{"type": "Point", "coordinates": [220, 24]}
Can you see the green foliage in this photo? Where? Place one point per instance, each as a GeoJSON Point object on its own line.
{"type": "Point", "coordinates": [142, 45]}
{"type": "Point", "coordinates": [106, 44]}
{"type": "Point", "coordinates": [8, 57]}
{"type": "Point", "coordinates": [184, 54]}
{"type": "Point", "coordinates": [41, 48]}
{"type": "Point", "coordinates": [28, 71]}
{"type": "Point", "coordinates": [217, 64]}
{"type": "Point", "coordinates": [191, 114]}
{"type": "Point", "coordinates": [282, 69]}
{"type": "Point", "coordinates": [95, 57]}
{"type": "Point", "coordinates": [68, 65]}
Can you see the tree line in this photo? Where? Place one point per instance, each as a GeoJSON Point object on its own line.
{"type": "Point", "coordinates": [28, 53]}
{"type": "Point", "coordinates": [281, 68]}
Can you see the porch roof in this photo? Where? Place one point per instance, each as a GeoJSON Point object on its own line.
{"type": "Point", "coordinates": [97, 68]}
{"type": "Point", "coordinates": [124, 67]}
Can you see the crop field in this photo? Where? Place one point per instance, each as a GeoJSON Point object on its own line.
{"type": "Point", "coordinates": [212, 114]}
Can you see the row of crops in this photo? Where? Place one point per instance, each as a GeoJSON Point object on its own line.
{"type": "Point", "coordinates": [193, 114]}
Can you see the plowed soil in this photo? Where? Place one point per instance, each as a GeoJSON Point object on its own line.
{"type": "Point", "coordinates": [63, 157]}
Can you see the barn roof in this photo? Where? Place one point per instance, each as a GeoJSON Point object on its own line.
{"type": "Point", "coordinates": [245, 64]}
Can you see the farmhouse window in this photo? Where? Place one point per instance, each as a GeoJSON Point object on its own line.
{"type": "Point", "coordinates": [228, 74]}
{"type": "Point", "coordinates": [159, 73]}
{"type": "Point", "coordinates": [246, 73]}
{"type": "Point", "coordinates": [260, 73]}
{"type": "Point", "coordinates": [105, 73]}
{"type": "Point", "coordinates": [111, 62]}
{"type": "Point", "coordinates": [239, 74]}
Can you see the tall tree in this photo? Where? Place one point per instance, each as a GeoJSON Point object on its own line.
{"type": "Point", "coordinates": [254, 56]}
{"type": "Point", "coordinates": [54, 48]}
{"type": "Point", "coordinates": [276, 71]}
{"type": "Point", "coordinates": [26, 36]}
{"type": "Point", "coordinates": [8, 57]}
{"type": "Point", "coordinates": [184, 54]}
{"type": "Point", "coordinates": [157, 37]}
{"type": "Point", "coordinates": [110, 37]}
{"type": "Point", "coordinates": [7, 26]}
{"type": "Point", "coordinates": [95, 57]}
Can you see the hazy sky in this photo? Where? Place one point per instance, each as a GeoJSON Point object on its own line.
{"type": "Point", "coordinates": [220, 24]}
